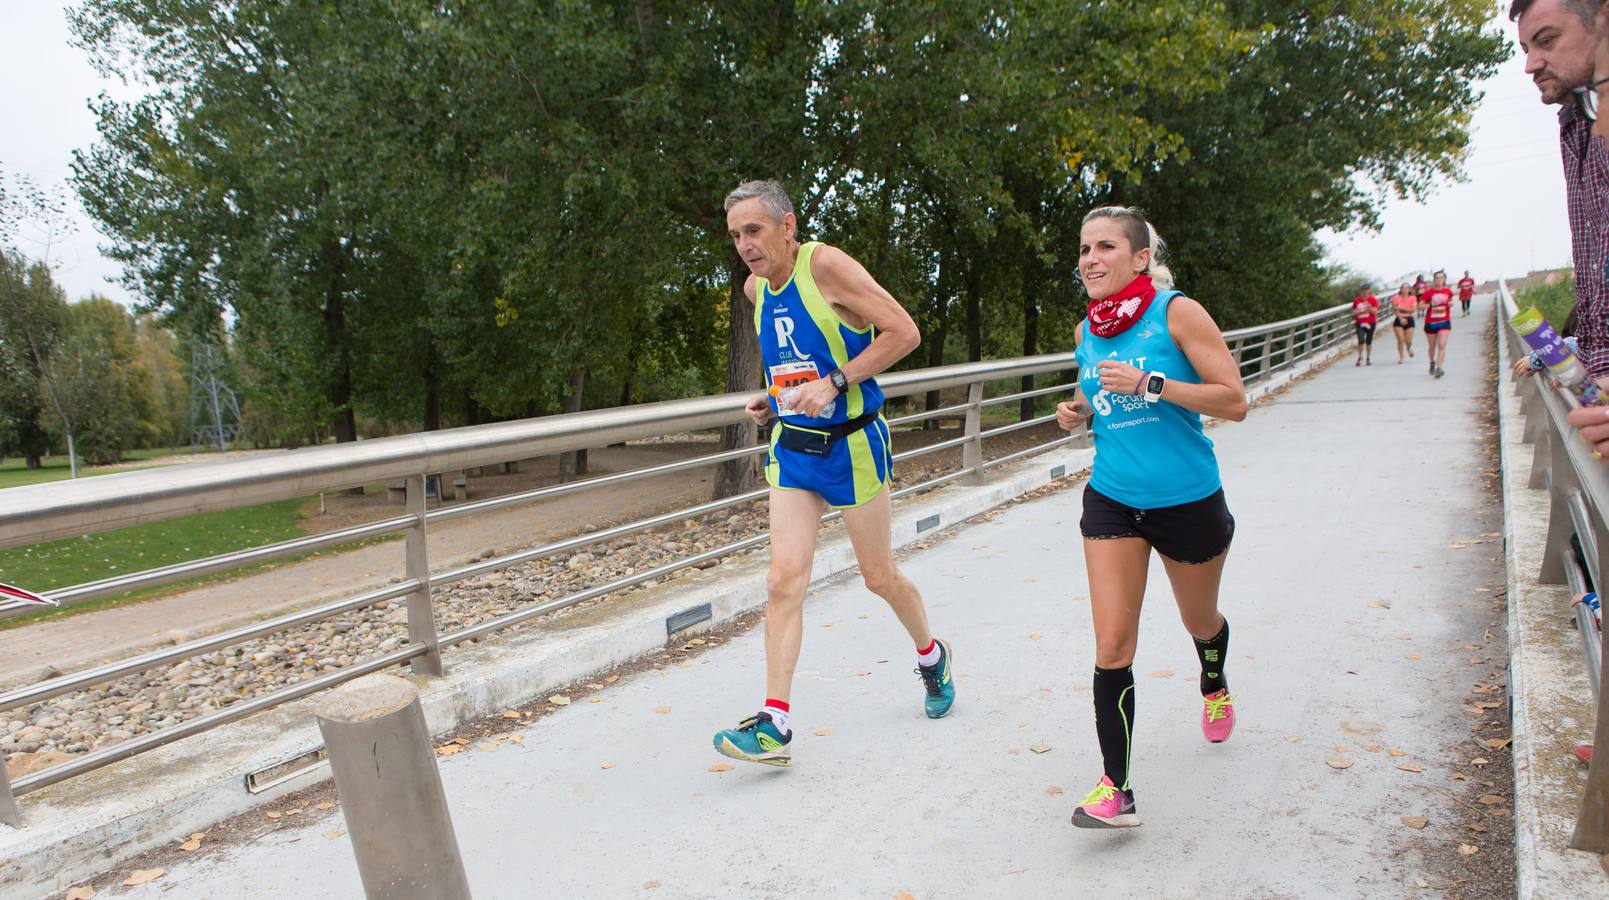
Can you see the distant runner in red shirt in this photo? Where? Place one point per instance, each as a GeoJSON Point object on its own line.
{"type": "Point", "coordinates": [1419, 288]}
{"type": "Point", "coordinates": [1365, 314]}
{"type": "Point", "coordinates": [1405, 305]}
{"type": "Point", "coordinates": [1466, 291]}
{"type": "Point", "coordinates": [1437, 302]}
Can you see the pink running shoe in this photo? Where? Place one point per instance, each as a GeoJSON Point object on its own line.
{"type": "Point", "coordinates": [1217, 716]}
{"type": "Point", "coordinates": [1106, 807]}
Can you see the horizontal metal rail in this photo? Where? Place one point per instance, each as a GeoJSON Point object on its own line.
{"type": "Point", "coordinates": [39, 513]}
{"type": "Point", "coordinates": [1578, 492]}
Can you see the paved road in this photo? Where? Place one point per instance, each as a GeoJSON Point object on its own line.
{"type": "Point", "coordinates": [1351, 612]}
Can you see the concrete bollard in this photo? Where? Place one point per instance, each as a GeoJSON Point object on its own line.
{"type": "Point", "coordinates": [385, 772]}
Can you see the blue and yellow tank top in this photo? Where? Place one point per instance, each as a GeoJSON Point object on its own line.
{"type": "Point", "coordinates": [1147, 455]}
{"type": "Point", "coordinates": [802, 339]}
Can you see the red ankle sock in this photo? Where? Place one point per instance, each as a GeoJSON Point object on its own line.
{"type": "Point", "coordinates": [778, 704]}
{"type": "Point", "coordinates": [928, 649]}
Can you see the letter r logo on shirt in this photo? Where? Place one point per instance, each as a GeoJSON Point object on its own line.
{"type": "Point", "coordinates": [784, 326]}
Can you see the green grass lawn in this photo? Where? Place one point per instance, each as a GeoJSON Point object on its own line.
{"type": "Point", "coordinates": [70, 561]}
{"type": "Point", "coordinates": [14, 471]}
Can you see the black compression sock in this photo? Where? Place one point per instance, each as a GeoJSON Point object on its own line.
{"type": "Point", "coordinates": [1212, 653]}
{"type": "Point", "coordinates": [1114, 720]}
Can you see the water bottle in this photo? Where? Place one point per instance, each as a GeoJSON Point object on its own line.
{"type": "Point", "coordinates": [786, 396]}
{"type": "Point", "coordinates": [1557, 356]}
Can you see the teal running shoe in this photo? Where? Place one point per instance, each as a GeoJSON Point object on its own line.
{"type": "Point", "coordinates": [756, 739]}
{"type": "Point", "coordinates": [940, 686]}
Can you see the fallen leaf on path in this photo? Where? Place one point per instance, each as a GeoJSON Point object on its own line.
{"type": "Point", "coordinates": [1481, 829]}
{"type": "Point", "coordinates": [1372, 748]}
{"type": "Point", "coordinates": [695, 642]}
{"type": "Point", "coordinates": [1013, 751]}
{"type": "Point", "coordinates": [649, 885]}
{"type": "Point", "coordinates": [1460, 776]}
{"type": "Point", "coordinates": [1030, 581]}
{"type": "Point", "coordinates": [823, 731]}
{"type": "Point", "coordinates": [597, 699]}
{"type": "Point", "coordinates": [1479, 761]}
{"type": "Point", "coordinates": [325, 805]}
{"type": "Point", "coordinates": [1499, 743]}
{"type": "Point", "coordinates": [1467, 849]}
{"type": "Point", "coordinates": [1033, 637]}
{"type": "Point", "coordinates": [1054, 790]}
{"type": "Point", "coordinates": [559, 700]}
{"type": "Point", "coordinates": [882, 660]}
{"type": "Point", "coordinates": [1489, 799]}
{"type": "Point", "coordinates": [1377, 604]}
{"type": "Point", "coordinates": [1411, 656]}
{"type": "Point", "coordinates": [1395, 752]}
{"type": "Point", "coordinates": [1497, 812]}
{"type": "Point", "coordinates": [1342, 748]}
{"type": "Point", "coordinates": [334, 833]}
{"type": "Point", "coordinates": [1339, 762]}
{"type": "Point", "coordinates": [141, 876]}
{"type": "Point", "coordinates": [1292, 738]}
{"type": "Point", "coordinates": [721, 767]}
{"type": "Point", "coordinates": [516, 738]}
{"type": "Point", "coordinates": [611, 679]}
{"type": "Point", "coordinates": [1404, 637]}
{"type": "Point", "coordinates": [904, 895]}
{"type": "Point", "coordinates": [445, 750]}
{"type": "Point", "coordinates": [1409, 767]}
{"type": "Point", "coordinates": [607, 765]}
{"type": "Point", "coordinates": [511, 714]}
{"type": "Point", "coordinates": [194, 843]}
{"type": "Point", "coordinates": [489, 746]}
{"type": "Point", "coordinates": [1415, 821]}
{"type": "Point", "coordinates": [662, 709]}
{"type": "Point", "coordinates": [1162, 673]}
{"type": "Point", "coordinates": [594, 685]}
{"type": "Point", "coordinates": [1040, 748]}
{"type": "Point", "coordinates": [293, 812]}
{"type": "Point", "coordinates": [826, 624]}
{"type": "Point", "coordinates": [81, 892]}
{"type": "Point", "coordinates": [1477, 660]}
{"type": "Point", "coordinates": [272, 814]}
{"type": "Point", "coordinates": [461, 741]}
{"type": "Point", "coordinates": [861, 674]}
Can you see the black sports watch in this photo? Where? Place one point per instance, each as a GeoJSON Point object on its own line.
{"type": "Point", "coordinates": [839, 380]}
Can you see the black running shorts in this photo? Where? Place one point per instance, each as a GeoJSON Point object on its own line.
{"type": "Point", "coordinates": [1195, 532]}
{"type": "Point", "coordinates": [1365, 334]}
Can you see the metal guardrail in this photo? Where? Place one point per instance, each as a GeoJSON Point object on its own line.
{"type": "Point", "coordinates": [1578, 491]}
{"type": "Point", "coordinates": [37, 513]}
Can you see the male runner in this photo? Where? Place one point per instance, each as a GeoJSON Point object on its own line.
{"type": "Point", "coordinates": [825, 328]}
{"type": "Point", "coordinates": [1466, 291]}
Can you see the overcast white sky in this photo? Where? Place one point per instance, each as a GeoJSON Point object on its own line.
{"type": "Point", "coordinates": [1506, 219]}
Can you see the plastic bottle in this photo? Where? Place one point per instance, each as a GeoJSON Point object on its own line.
{"type": "Point", "coordinates": [1557, 356]}
{"type": "Point", "coordinates": [786, 396]}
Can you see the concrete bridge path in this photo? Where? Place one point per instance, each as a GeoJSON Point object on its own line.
{"type": "Point", "coordinates": [1360, 590]}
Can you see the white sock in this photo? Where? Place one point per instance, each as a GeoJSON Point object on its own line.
{"type": "Point", "coordinates": [932, 657]}
{"type": "Point", "coordinates": [779, 718]}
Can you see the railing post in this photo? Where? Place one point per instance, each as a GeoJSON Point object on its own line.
{"type": "Point", "coordinates": [391, 795]}
{"type": "Point", "coordinates": [8, 801]}
{"type": "Point", "coordinates": [421, 617]}
{"type": "Point", "coordinates": [1560, 479]}
{"type": "Point", "coordinates": [972, 450]}
{"type": "Point", "coordinates": [1268, 356]}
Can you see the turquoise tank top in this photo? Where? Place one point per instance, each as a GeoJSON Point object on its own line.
{"type": "Point", "coordinates": [802, 338]}
{"type": "Point", "coordinates": [1147, 455]}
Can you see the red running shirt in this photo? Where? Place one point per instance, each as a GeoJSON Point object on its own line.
{"type": "Point", "coordinates": [1364, 309]}
{"type": "Point", "coordinates": [1441, 305]}
{"type": "Point", "coordinates": [1466, 288]}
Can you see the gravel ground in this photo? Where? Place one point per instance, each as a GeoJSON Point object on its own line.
{"type": "Point", "coordinates": [47, 733]}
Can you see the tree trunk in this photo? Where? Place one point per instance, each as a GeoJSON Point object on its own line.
{"type": "Point", "coordinates": [1030, 332]}
{"type": "Point", "coordinates": [936, 335]}
{"type": "Point", "coordinates": [339, 391]}
{"type": "Point", "coordinates": [573, 465]}
{"type": "Point", "coordinates": [742, 374]}
{"type": "Point", "coordinates": [975, 312]}
{"type": "Point", "coordinates": [432, 395]}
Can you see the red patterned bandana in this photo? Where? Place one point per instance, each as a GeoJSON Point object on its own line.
{"type": "Point", "coordinates": [1114, 315]}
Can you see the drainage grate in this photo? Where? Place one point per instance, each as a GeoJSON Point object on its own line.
{"type": "Point", "coordinates": [281, 772]}
{"type": "Point", "coordinates": [926, 523]}
{"type": "Point", "coordinates": [687, 618]}
{"type": "Point", "coordinates": [1058, 471]}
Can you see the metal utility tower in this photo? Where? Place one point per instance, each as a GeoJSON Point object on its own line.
{"type": "Point", "coordinates": [214, 412]}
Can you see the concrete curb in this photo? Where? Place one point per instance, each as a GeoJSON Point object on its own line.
{"type": "Point", "coordinates": [1550, 696]}
{"type": "Point", "coordinates": [88, 825]}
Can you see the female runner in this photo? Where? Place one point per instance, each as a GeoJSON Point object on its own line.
{"type": "Point", "coordinates": [1155, 480]}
